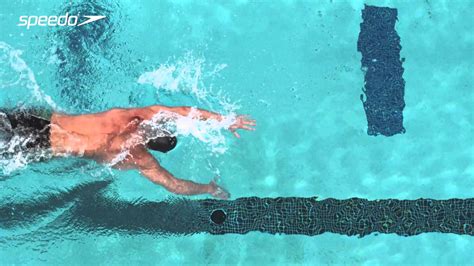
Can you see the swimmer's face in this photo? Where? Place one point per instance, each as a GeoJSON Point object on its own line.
{"type": "Point", "coordinates": [162, 144]}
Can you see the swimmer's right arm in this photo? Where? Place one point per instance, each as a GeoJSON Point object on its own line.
{"type": "Point", "coordinates": [151, 169]}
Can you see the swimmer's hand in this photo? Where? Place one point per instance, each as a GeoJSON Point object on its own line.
{"type": "Point", "coordinates": [217, 191]}
{"type": "Point", "coordinates": [242, 122]}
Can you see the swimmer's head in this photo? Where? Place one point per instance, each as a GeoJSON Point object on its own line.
{"type": "Point", "coordinates": [162, 144]}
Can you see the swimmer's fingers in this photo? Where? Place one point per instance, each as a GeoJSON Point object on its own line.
{"type": "Point", "coordinates": [249, 122]}
{"type": "Point", "coordinates": [233, 130]}
{"type": "Point", "coordinates": [241, 126]}
{"type": "Point", "coordinates": [221, 194]}
{"type": "Point", "coordinates": [236, 134]}
{"type": "Point", "coordinates": [242, 120]}
{"type": "Point", "coordinates": [247, 128]}
{"type": "Point", "coordinates": [246, 118]}
{"type": "Point", "coordinates": [218, 191]}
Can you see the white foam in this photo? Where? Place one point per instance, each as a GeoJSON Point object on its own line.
{"type": "Point", "coordinates": [209, 131]}
{"type": "Point", "coordinates": [16, 72]}
{"type": "Point", "coordinates": [186, 76]}
{"type": "Point", "coordinates": [12, 58]}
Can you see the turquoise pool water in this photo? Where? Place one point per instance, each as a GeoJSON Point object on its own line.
{"type": "Point", "coordinates": [291, 65]}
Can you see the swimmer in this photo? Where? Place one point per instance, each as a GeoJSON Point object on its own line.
{"type": "Point", "coordinates": [103, 136]}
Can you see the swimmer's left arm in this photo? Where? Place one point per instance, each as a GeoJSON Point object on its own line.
{"type": "Point", "coordinates": [148, 112]}
{"type": "Point", "coordinates": [241, 121]}
{"type": "Point", "coordinates": [196, 113]}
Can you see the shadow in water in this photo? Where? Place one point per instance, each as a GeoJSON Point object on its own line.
{"type": "Point", "coordinates": [90, 210]}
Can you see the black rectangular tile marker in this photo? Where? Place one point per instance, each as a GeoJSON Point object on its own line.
{"type": "Point", "coordinates": [384, 86]}
{"type": "Point", "coordinates": [90, 209]}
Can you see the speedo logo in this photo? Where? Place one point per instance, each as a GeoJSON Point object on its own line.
{"type": "Point", "coordinates": [64, 21]}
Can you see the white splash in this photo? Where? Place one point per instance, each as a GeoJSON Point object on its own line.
{"type": "Point", "coordinates": [11, 58]}
{"type": "Point", "coordinates": [187, 76]}
{"type": "Point", "coordinates": [209, 131]}
{"type": "Point", "coordinates": [14, 71]}
{"type": "Point", "coordinates": [15, 157]}
{"type": "Point", "coordinates": [165, 123]}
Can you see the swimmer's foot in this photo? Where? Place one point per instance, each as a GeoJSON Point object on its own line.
{"type": "Point", "coordinates": [217, 191]}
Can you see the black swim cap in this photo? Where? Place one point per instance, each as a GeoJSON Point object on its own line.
{"type": "Point", "coordinates": [162, 144]}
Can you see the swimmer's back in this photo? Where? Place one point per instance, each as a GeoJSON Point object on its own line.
{"type": "Point", "coordinates": [88, 134]}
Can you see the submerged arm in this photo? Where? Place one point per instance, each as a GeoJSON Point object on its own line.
{"type": "Point", "coordinates": [151, 169]}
